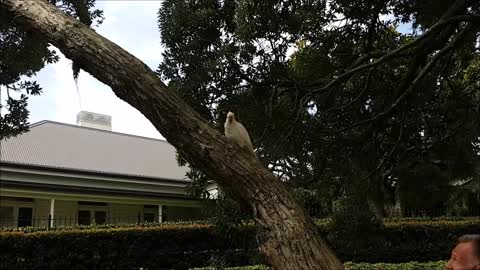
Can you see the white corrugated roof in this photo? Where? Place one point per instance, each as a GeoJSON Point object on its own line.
{"type": "Point", "coordinates": [58, 145]}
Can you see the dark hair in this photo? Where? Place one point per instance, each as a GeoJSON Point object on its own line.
{"type": "Point", "coordinates": [474, 239]}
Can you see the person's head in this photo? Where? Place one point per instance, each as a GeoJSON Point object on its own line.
{"type": "Point", "coordinates": [466, 254]}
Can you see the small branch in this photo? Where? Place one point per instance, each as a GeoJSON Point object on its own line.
{"type": "Point", "coordinates": [8, 91]}
{"type": "Point", "coordinates": [439, 25]}
{"type": "Point", "coordinates": [444, 138]}
{"type": "Point", "coordinates": [368, 44]}
{"type": "Point", "coordinates": [414, 84]}
{"type": "Point", "coordinates": [394, 148]}
{"type": "Point", "coordinates": [365, 88]}
{"type": "Point", "coordinates": [365, 57]}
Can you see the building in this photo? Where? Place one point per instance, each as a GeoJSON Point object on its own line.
{"type": "Point", "coordinates": [87, 174]}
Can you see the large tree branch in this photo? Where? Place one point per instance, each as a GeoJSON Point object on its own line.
{"type": "Point", "coordinates": [395, 53]}
{"type": "Point", "coordinates": [289, 238]}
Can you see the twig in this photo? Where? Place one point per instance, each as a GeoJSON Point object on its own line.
{"type": "Point", "coordinates": [365, 88]}
{"type": "Point", "coordinates": [444, 138]}
{"type": "Point", "coordinates": [394, 148]}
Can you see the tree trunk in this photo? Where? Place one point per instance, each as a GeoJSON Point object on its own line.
{"type": "Point", "coordinates": [289, 237]}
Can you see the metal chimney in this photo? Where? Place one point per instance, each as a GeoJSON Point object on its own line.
{"type": "Point", "coordinates": [94, 120]}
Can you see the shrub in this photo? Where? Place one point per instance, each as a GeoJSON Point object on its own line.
{"type": "Point", "coordinates": [312, 201]}
{"type": "Point", "coordinates": [355, 228]}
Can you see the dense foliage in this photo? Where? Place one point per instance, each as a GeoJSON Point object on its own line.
{"type": "Point", "coordinates": [376, 99]}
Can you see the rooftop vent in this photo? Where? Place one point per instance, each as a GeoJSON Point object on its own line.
{"type": "Point", "coordinates": [94, 120]}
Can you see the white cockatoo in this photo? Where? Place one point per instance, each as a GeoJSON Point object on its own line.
{"type": "Point", "coordinates": [235, 131]}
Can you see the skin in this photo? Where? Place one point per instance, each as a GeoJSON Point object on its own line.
{"type": "Point", "coordinates": [463, 258]}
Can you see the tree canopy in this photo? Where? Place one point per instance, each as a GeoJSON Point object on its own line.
{"type": "Point", "coordinates": [23, 53]}
{"type": "Point", "coordinates": [287, 236]}
{"type": "Point", "coordinates": [342, 97]}
{"type": "Point", "coordinates": [320, 84]}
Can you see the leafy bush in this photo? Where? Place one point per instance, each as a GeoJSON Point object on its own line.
{"type": "Point", "coordinates": [354, 227]}
{"type": "Point", "coordinates": [312, 201]}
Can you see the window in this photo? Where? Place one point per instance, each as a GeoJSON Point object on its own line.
{"type": "Point", "coordinates": [24, 216]}
{"type": "Point", "coordinates": [92, 212]}
{"type": "Point", "coordinates": [164, 213]}
{"type": "Point", "coordinates": [83, 217]}
{"type": "Point", "coordinates": [149, 217]}
{"type": "Point", "coordinates": [100, 217]}
{"type": "Point", "coordinates": [6, 216]}
{"type": "Point", "coordinates": [149, 213]}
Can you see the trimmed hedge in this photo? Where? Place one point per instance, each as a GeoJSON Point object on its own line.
{"type": "Point", "coordinates": [249, 267]}
{"type": "Point", "coordinates": [160, 247]}
{"type": "Point", "coordinates": [183, 246]}
{"type": "Point", "coordinates": [440, 265]}
{"type": "Point", "coordinates": [102, 226]}
{"type": "Point", "coordinates": [412, 240]}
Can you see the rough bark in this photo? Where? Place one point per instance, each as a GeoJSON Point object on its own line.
{"type": "Point", "coordinates": [290, 238]}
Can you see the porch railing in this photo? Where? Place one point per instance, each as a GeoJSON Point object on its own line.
{"type": "Point", "coordinates": [68, 221]}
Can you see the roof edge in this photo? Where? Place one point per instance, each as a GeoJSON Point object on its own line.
{"type": "Point", "coordinates": [108, 191]}
{"type": "Point", "coordinates": [42, 122]}
{"type": "Point", "coordinates": [91, 173]}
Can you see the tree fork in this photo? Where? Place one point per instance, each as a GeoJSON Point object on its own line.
{"type": "Point", "coordinates": [290, 239]}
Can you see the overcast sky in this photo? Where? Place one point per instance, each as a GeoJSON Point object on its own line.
{"type": "Point", "coordinates": [133, 26]}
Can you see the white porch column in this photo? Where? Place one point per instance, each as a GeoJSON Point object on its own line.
{"type": "Point", "coordinates": [52, 211]}
{"type": "Point", "coordinates": [160, 213]}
